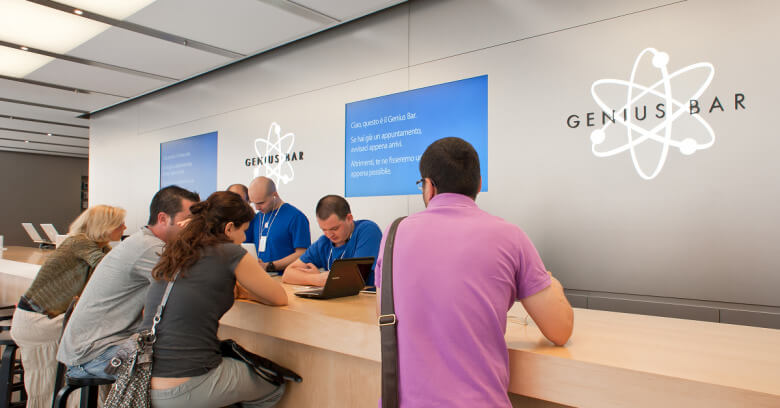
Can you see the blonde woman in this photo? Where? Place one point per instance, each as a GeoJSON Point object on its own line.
{"type": "Point", "coordinates": [37, 322]}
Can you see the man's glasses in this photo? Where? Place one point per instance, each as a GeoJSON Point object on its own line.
{"type": "Point", "coordinates": [421, 182]}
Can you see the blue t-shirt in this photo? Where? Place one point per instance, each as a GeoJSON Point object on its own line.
{"type": "Point", "coordinates": [286, 228]}
{"type": "Point", "coordinates": [364, 242]}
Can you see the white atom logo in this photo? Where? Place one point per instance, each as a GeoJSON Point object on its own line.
{"type": "Point", "coordinates": [661, 133]}
{"type": "Point", "coordinates": [276, 144]}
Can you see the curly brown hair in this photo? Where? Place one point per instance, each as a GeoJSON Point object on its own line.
{"type": "Point", "coordinates": [206, 228]}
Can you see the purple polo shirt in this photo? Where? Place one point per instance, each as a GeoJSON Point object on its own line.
{"type": "Point", "coordinates": [457, 271]}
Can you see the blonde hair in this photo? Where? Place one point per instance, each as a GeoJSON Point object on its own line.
{"type": "Point", "coordinates": [97, 223]}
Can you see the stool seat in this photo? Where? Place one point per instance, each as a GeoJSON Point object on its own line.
{"type": "Point", "coordinates": [89, 399]}
{"type": "Point", "coordinates": [87, 382]}
{"type": "Point", "coordinates": [5, 339]}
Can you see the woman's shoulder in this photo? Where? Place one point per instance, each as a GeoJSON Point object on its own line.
{"type": "Point", "coordinates": [225, 250]}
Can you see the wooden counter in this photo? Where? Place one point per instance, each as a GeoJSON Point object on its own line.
{"type": "Point", "coordinates": [612, 359]}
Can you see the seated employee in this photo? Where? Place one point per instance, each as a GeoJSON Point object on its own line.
{"type": "Point", "coordinates": [343, 238]}
{"type": "Point", "coordinates": [279, 231]}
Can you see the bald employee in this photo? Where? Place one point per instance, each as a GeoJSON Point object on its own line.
{"type": "Point", "coordinates": [279, 231]}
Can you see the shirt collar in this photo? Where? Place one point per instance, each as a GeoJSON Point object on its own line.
{"type": "Point", "coordinates": [451, 200]}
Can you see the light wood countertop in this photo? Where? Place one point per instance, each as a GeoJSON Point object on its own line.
{"type": "Point", "coordinates": [612, 359]}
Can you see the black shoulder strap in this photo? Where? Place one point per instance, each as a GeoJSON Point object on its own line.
{"type": "Point", "coordinates": [388, 324]}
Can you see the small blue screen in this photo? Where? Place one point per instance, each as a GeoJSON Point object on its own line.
{"type": "Point", "coordinates": [386, 136]}
{"type": "Point", "coordinates": [190, 163]}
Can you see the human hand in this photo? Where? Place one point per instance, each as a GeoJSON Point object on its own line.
{"type": "Point", "coordinates": [311, 268]}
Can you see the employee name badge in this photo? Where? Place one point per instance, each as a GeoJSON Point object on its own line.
{"type": "Point", "coordinates": [261, 245]}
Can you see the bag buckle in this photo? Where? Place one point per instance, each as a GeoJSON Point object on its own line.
{"type": "Point", "coordinates": [387, 320]}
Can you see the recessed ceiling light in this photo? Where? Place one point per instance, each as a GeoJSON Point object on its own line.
{"type": "Point", "coordinates": [77, 11]}
{"type": "Point", "coordinates": [24, 48]}
{"type": "Point", "coordinates": [27, 141]}
{"type": "Point", "coordinates": [48, 134]}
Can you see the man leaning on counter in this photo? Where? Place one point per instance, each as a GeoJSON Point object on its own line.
{"type": "Point", "coordinates": [343, 237]}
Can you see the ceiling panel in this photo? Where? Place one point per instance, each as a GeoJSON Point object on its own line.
{"type": "Point", "coordinates": [24, 125]}
{"type": "Point", "coordinates": [94, 78]}
{"type": "Point", "coordinates": [9, 140]}
{"type": "Point", "coordinates": [42, 151]}
{"type": "Point", "coordinates": [43, 140]}
{"type": "Point", "coordinates": [147, 54]}
{"type": "Point", "coordinates": [50, 96]}
{"type": "Point", "coordinates": [243, 26]}
{"type": "Point", "coordinates": [347, 9]}
{"type": "Point", "coordinates": [26, 111]}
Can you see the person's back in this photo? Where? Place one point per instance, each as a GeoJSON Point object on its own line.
{"type": "Point", "coordinates": [457, 270]}
{"type": "Point", "coordinates": [109, 310]}
{"type": "Point", "coordinates": [464, 268]}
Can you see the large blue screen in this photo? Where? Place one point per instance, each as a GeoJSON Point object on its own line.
{"type": "Point", "coordinates": [190, 163]}
{"type": "Point", "coordinates": [386, 136]}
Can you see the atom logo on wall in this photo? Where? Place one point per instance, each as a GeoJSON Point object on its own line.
{"type": "Point", "coordinates": [662, 132]}
{"type": "Point", "coordinates": [278, 146]}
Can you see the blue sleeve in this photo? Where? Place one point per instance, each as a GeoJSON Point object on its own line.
{"type": "Point", "coordinates": [368, 240]}
{"type": "Point", "coordinates": [314, 253]}
{"type": "Point", "coordinates": [299, 229]}
{"type": "Point", "coordinates": [251, 232]}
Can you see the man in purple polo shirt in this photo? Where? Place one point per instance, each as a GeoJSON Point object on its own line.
{"type": "Point", "coordinates": [456, 272]}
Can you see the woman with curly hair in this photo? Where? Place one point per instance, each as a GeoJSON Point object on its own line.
{"type": "Point", "coordinates": [204, 262]}
{"type": "Point", "coordinates": [37, 323]}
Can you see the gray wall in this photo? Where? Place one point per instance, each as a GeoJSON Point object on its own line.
{"type": "Point", "coordinates": [38, 189]}
{"type": "Point", "coordinates": [704, 230]}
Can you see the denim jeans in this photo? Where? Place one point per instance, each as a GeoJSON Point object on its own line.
{"type": "Point", "coordinates": [94, 368]}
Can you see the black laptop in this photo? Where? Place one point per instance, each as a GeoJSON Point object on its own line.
{"type": "Point", "coordinates": [345, 279]}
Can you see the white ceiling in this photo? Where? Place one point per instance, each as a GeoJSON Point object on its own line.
{"type": "Point", "coordinates": [39, 110]}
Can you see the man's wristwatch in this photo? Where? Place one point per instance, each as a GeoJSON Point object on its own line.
{"type": "Point", "coordinates": [269, 267]}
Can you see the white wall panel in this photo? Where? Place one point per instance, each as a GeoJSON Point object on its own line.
{"type": "Point", "coordinates": [443, 28]}
{"type": "Point", "coordinates": [704, 228]}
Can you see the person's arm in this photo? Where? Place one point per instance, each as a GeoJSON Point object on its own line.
{"type": "Point", "coordinates": [281, 264]}
{"type": "Point", "coordinates": [256, 281]}
{"type": "Point", "coordinates": [551, 312]}
{"type": "Point", "coordinates": [299, 273]}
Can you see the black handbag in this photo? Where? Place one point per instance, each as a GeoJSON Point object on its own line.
{"type": "Point", "coordinates": [265, 368]}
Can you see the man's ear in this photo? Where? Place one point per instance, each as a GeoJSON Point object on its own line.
{"type": "Point", "coordinates": [349, 218]}
{"type": "Point", "coordinates": [163, 218]}
{"type": "Point", "coordinates": [229, 227]}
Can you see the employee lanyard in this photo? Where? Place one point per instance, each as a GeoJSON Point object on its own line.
{"type": "Point", "coordinates": [345, 248]}
{"type": "Point", "coordinates": [331, 254]}
{"type": "Point", "coordinates": [262, 223]}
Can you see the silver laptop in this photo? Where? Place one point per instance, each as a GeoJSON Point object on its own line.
{"type": "Point", "coordinates": [33, 233]}
{"type": "Point", "coordinates": [250, 247]}
{"type": "Point", "coordinates": [50, 231]}
{"type": "Point", "coordinates": [344, 279]}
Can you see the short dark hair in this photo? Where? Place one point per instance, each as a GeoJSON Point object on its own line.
{"type": "Point", "coordinates": [453, 165]}
{"type": "Point", "coordinates": [168, 200]}
{"type": "Point", "coordinates": [244, 190]}
{"type": "Point", "coordinates": [332, 204]}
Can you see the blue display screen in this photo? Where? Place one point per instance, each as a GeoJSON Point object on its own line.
{"type": "Point", "coordinates": [190, 163]}
{"type": "Point", "coordinates": [386, 136]}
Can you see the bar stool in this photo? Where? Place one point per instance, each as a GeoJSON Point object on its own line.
{"type": "Point", "coordinates": [10, 367]}
{"type": "Point", "coordinates": [6, 314]}
{"type": "Point", "coordinates": [89, 397]}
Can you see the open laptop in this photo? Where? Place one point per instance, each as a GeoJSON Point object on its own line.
{"type": "Point", "coordinates": [344, 279]}
{"type": "Point", "coordinates": [50, 231]}
{"type": "Point", "coordinates": [33, 233]}
{"type": "Point", "coordinates": [252, 250]}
